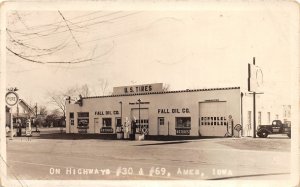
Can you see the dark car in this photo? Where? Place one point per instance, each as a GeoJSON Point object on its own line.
{"type": "Point", "coordinates": [277, 127]}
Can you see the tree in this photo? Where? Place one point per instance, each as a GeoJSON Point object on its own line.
{"type": "Point", "coordinates": [43, 110]}
{"type": "Point", "coordinates": [101, 88]}
{"type": "Point", "coordinates": [59, 98]}
{"type": "Point", "coordinates": [104, 85]}
{"type": "Point", "coordinates": [41, 117]}
{"type": "Point", "coordinates": [166, 87]}
{"type": "Point", "coordinates": [84, 91]}
{"type": "Point", "coordinates": [54, 119]}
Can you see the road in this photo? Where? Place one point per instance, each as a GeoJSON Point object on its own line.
{"type": "Point", "coordinates": [94, 159]}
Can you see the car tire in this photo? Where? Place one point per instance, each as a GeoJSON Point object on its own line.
{"type": "Point", "coordinates": [264, 134]}
{"type": "Point", "coordinates": [259, 135]}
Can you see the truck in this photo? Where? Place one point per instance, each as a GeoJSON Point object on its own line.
{"type": "Point", "coordinates": [277, 127]}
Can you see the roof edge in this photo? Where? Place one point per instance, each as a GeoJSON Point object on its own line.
{"type": "Point", "coordinates": [165, 92]}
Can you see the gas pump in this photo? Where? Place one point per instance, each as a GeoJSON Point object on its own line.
{"type": "Point", "coordinates": [28, 127]}
{"type": "Point", "coordinates": [19, 127]}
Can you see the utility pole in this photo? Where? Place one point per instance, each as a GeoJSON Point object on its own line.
{"type": "Point", "coordinates": [139, 100]}
{"type": "Point", "coordinates": [254, 114]}
{"type": "Point", "coordinates": [36, 116]}
{"type": "Point", "coordinates": [253, 92]}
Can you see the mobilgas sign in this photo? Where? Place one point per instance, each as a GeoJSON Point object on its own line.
{"type": "Point", "coordinates": [106, 130]}
{"type": "Point", "coordinates": [181, 131]}
{"type": "Point", "coordinates": [145, 88]}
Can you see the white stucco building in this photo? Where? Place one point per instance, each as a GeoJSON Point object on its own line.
{"type": "Point", "coordinates": [193, 113]}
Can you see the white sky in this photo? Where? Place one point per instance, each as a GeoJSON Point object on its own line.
{"type": "Point", "coordinates": [186, 49]}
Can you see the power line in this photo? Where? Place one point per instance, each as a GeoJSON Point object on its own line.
{"type": "Point", "coordinates": [74, 61]}
{"type": "Point", "coordinates": [69, 28]}
{"type": "Point", "coordinates": [26, 34]}
{"type": "Point", "coordinates": [52, 24]}
{"type": "Point", "coordinates": [95, 23]}
{"type": "Point", "coordinates": [33, 47]}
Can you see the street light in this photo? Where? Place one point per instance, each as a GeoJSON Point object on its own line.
{"type": "Point", "coordinates": [139, 100]}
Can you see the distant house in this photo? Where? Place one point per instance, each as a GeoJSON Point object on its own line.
{"type": "Point", "coordinates": [22, 111]}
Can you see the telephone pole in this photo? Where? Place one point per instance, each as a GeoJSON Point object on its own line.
{"type": "Point", "coordinates": [253, 90]}
{"type": "Point", "coordinates": [36, 109]}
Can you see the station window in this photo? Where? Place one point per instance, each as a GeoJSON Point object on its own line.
{"type": "Point", "coordinates": [83, 120]}
{"type": "Point", "coordinates": [259, 118]}
{"type": "Point", "coordinates": [106, 122]}
{"type": "Point", "coordinates": [269, 117]}
{"type": "Point", "coordinates": [161, 121]}
{"type": "Point", "coordinates": [183, 122]}
{"type": "Point", "coordinates": [83, 114]}
{"type": "Point", "coordinates": [71, 115]}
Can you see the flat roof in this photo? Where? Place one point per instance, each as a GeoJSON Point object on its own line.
{"type": "Point", "coordinates": [164, 92]}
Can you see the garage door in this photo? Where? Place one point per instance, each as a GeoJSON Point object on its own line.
{"type": "Point", "coordinates": [212, 118]}
{"type": "Point", "coordinates": [144, 114]}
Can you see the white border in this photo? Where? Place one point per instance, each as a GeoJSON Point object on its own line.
{"type": "Point", "coordinates": [187, 5]}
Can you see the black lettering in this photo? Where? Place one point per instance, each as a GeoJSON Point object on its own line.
{"type": "Point", "coordinates": [125, 90]}
{"type": "Point", "coordinates": [146, 88]}
{"type": "Point", "coordinates": [131, 89]}
{"type": "Point", "coordinates": [142, 88]}
{"type": "Point", "coordinates": [158, 111]}
{"type": "Point", "coordinates": [150, 88]}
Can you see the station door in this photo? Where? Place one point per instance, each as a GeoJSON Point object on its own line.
{"type": "Point", "coordinates": [142, 123]}
{"type": "Point", "coordinates": [212, 118]}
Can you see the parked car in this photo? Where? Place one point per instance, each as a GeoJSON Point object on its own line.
{"type": "Point", "coordinates": [277, 127]}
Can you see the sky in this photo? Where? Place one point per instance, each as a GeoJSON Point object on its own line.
{"type": "Point", "coordinates": [186, 49]}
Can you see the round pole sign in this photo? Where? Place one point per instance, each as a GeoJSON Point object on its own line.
{"type": "Point", "coordinates": [11, 98]}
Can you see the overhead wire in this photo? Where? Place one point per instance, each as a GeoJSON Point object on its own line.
{"type": "Point", "coordinates": [61, 27]}
{"type": "Point", "coordinates": [24, 57]}
{"type": "Point", "coordinates": [91, 24]}
{"type": "Point", "coordinates": [51, 24]}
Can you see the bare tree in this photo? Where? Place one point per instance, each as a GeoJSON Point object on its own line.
{"type": "Point", "coordinates": [43, 110]}
{"type": "Point", "coordinates": [166, 87]}
{"type": "Point", "coordinates": [101, 88]}
{"type": "Point", "coordinates": [59, 98]}
{"type": "Point", "coordinates": [104, 85]}
{"type": "Point", "coordinates": [84, 90]}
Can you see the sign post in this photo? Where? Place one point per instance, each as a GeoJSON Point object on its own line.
{"type": "Point", "coordinates": [11, 99]}
{"type": "Point", "coordinates": [255, 81]}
